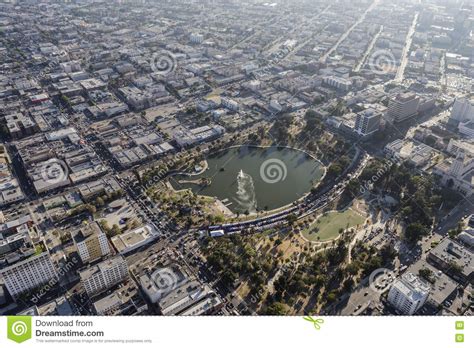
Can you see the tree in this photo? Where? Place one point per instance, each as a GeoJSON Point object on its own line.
{"type": "Point", "coordinates": [99, 202]}
{"type": "Point", "coordinates": [65, 99]}
{"type": "Point", "coordinates": [331, 297]}
{"type": "Point", "coordinates": [334, 171]}
{"type": "Point", "coordinates": [348, 284]}
{"type": "Point", "coordinates": [388, 253]}
{"type": "Point", "coordinates": [291, 218]}
{"type": "Point", "coordinates": [353, 187]}
{"type": "Point", "coordinates": [352, 268]}
{"type": "Point", "coordinates": [92, 209]}
{"type": "Point", "coordinates": [430, 140]}
{"type": "Point", "coordinates": [115, 230]}
{"type": "Point", "coordinates": [427, 274]}
{"type": "Point", "coordinates": [276, 308]}
{"type": "Point", "coordinates": [415, 232]}
{"type": "Point", "coordinates": [313, 123]}
{"type": "Point", "coordinates": [281, 127]}
{"type": "Point", "coordinates": [4, 130]}
{"type": "Point", "coordinates": [65, 237]}
{"type": "Point", "coordinates": [104, 225]}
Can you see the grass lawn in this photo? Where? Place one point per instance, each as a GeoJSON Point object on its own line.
{"type": "Point", "coordinates": [328, 226]}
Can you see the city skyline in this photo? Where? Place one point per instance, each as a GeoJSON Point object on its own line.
{"type": "Point", "coordinates": [227, 157]}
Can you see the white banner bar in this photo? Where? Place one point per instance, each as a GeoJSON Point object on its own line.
{"type": "Point", "coordinates": [433, 332]}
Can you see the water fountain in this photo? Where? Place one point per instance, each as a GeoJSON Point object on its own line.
{"type": "Point", "coordinates": [246, 192]}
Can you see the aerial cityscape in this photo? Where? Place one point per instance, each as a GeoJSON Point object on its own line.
{"type": "Point", "coordinates": [237, 157]}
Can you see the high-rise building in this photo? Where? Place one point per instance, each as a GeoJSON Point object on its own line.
{"type": "Point", "coordinates": [196, 38]}
{"type": "Point", "coordinates": [408, 294]}
{"type": "Point", "coordinates": [367, 122]}
{"type": "Point", "coordinates": [462, 111]}
{"type": "Point", "coordinates": [403, 106]}
{"type": "Point", "coordinates": [91, 242]}
{"type": "Point", "coordinates": [28, 274]}
{"type": "Point", "coordinates": [466, 129]}
{"type": "Point", "coordinates": [104, 275]}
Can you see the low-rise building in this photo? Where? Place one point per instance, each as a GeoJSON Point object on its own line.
{"type": "Point", "coordinates": [454, 259]}
{"type": "Point", "coordinates": [132, 240]}
{"type": "Point", "coordinates": [93, 189]}
{"type": "Point", "coordinates": [186, 298]}
{"type": "Point", "coordinates": [230, 104]}
{"type": "Point", "coordinates": [196, 38]}
{"type": "Point", "coordinates": [457, 173]}
{"type": "Point", "coordinates": [415, 153]}
{"type": "Point", "coordinates": [156, 283]}
{"type": "Point", "coordinates": [123, 301]}
{"type": "Point", "coordinates": [337, 82]}
{"type": "Point", "coordinates": [186, 137]}
{"type": "Point", "coordinates": [443, 288]}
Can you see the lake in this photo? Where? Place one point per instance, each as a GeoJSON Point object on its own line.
{"type": "Point", "coordinates": [248, 178]}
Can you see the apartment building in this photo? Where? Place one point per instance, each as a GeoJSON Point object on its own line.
{"type": "Point", "coordinates": [28, 274]}
{"type": "Point", "coordinates": [91, 242]}
{"type": "Point", "coordinates": [367, 122]}
{"type": "Point", "coordinates": [408, 294]}
{"type": "Point", "coordinates": [104, 275]}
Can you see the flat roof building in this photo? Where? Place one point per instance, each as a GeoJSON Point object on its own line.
{"type": "Point", "coordinates": [402, 107]}
{"type": "Point", "coordinates": [454, 259]}
{"type": "Point", "coordinates": [367, 122]}
{"type": "Point", "coordinates": [91, 242]}
{"type": "Point", "coordinates": [104, 275]}
{"type": "Point", "coordinates": [408, 294]}
{"type": "Point", "coordinates": [28, 274]}
{"type": "Point", "coordinates": [132, 240]}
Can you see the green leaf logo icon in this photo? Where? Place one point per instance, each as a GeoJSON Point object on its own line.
{"type": "Point", "coordinates": [19, 328]}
